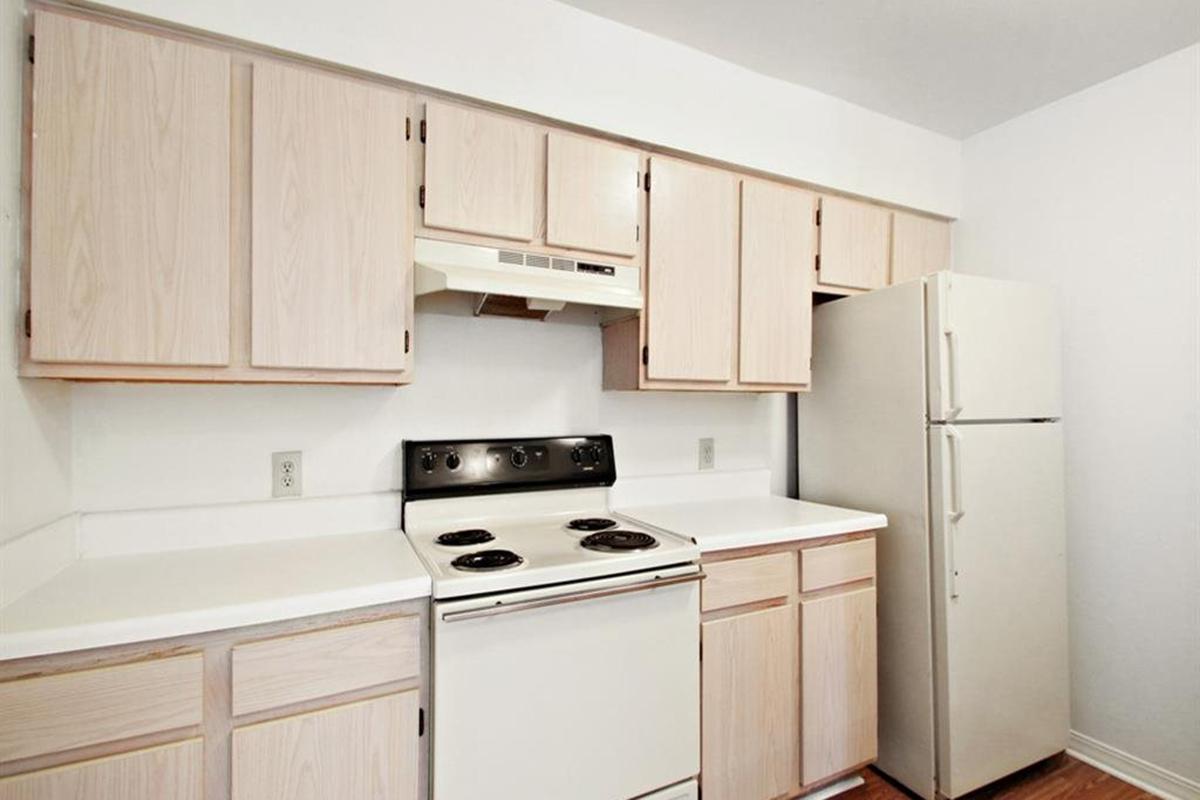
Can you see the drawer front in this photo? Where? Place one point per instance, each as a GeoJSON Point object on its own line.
{"type": "Point", "coordinates": [307, 666]}
{"type": "Point", "coordinates": [60, 712]}
{"type": "Point", "coordinates": [172, 772]}
{"type": "Point", "coordinates": [835, 564]}
{"type": "Point", "coordinates": [748, 580]}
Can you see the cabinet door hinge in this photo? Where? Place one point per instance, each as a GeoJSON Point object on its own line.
{"type": "Point", "coordinates": [420, 722]}
{"type": "Point", "coordinates": [407, 128]}
{"type": "Point", "coordinates": [422, 131]}
{"type": "Point", "coordinates": [406, 340]}
{"type": "Point", "coordinates": [421, 196]}
{"type": "Point", "coordinates": [646, 355]}
{"type": "Point", "coordinates": [647, 180]}
{"type": "Point", "coordinates": [818, 258]}
{"type": "Point", "coordinates": [818, 215]}
{"type": "Point", "coordinates": [29, 48]}
{"type": "Point", "coordinates": [28, 323]}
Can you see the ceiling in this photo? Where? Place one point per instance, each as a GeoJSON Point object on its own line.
{"type": "Point", "coordinates": [953, 66]}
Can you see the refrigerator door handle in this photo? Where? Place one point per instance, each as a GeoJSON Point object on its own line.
{"type": "Point", "coordinates": [956, 508]}
{"type": "Point", "coordinates": [955, 408]}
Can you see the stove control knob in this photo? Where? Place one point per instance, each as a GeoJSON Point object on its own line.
{"type": "Point", "coordinates": [519, 459]}
{"type": "Point", "coordinates": [577, 455]}
{"type": "Point", "coordinates": [453, 461]}
{"type": "Point", "coordinates": [597, 454]}
{"type": "Point", "coordinates": [429, 460]}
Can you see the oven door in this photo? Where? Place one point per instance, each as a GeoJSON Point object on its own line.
{"type": "Point", "coordinates": [589, 691]}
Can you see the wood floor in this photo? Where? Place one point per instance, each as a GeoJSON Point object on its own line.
{"type": "Point", "coordinates": [1056, 779]}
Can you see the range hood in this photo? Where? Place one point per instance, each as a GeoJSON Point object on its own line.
{"type": "Point", "coordinates": [512, 282]}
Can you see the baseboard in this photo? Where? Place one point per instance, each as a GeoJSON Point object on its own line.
{"type": "Point", "coordinates": [1131, 769]}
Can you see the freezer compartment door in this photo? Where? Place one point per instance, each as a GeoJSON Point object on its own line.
{"type": "Point", "coordinates": [1000, 617]}
{"type": "Point", "coordinates": [994, 349]}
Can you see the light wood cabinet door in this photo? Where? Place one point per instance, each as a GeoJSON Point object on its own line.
{"type": "Point", "coordinates": [129, 227]}
{"type": "Point", "coordinates": [691, 273]}
{"type": "Point", "coordinates": [920, 246]}
{"type": "Point", "coordinates": [173, 772]}
{"type": "Point", "coordinates": [855, 244]}
{"type": "Point", "coordinates": [331, 246]}
{"type": "Point", "coordinates": [481, 173]}
{"type": "Point", "coordinates": [779, 237]}
{"type": "Point", "coordinates": [750, 736]}
{"type": "Point", "coordinates": [591, 195]}
{"type": "Point", "coordinates": [838, 680]}
{"type": "Point", "coordinates": [360, 751]}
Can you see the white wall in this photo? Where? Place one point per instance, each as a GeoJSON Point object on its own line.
{"type": "Point", "coordinates": [549, 58]}
{"type": "Point", "coordinates": [1099, 194]}
{"type": "Point", "coordinates": [34, 416]}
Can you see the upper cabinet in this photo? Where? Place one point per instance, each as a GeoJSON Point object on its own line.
{"type": "Point", "coordinates": [592, 192]}
{"type": "Point", "coordinates": [855, 244]}
{"type": "Point", "coordinates": [779, 238]}
{"type": "Point", "coordinates": [920, 246]}
{"type": "Point", "coordinates": [481, 173]}
{"type": "Point", "coordinates": [129, 207]}
{"type": "Point", "coordinates": [691, 291]}
{"type": "Point", "coordinates": [332, 248]}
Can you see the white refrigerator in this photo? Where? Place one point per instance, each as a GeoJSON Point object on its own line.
{"type": "Point", "coordinates": [938, 402]}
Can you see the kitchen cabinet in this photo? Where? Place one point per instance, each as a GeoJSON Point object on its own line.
{"type": "Point", "coordinates": [855, 244]}
{"type": "Point", "coordinates": [481, 172]}
{"type": "Point", "coordinates": [778, 242]}
{"type": "Point", "coordinates": [358, 751]}
{"type": "Point", "coordinates": [750, 740]}
{"type": "Point", "coordinates": [129, 203]}
{"type": "Point", "coordinates": [332, 250]}
{"type": "Point", "coordinates": [328, 706]}
{"type": "Point", "coordinates": [172, 771]}
{"type": "Point", "coordinates": [691, 272]}
{"type": "Point", "coordinates": [788, 667]}
{"type": "Point", "coordinates": [920, 246]}
{"type": "Point", "coordinates": [592, 193]}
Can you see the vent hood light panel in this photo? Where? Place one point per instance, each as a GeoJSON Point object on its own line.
{"type": "Point", "coordinates": [546, 283]}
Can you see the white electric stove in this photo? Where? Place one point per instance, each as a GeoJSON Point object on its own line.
{"type": "Point", "coordinates": [566, 652]}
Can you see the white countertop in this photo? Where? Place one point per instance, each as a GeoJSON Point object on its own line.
{"type": "Point", "coordinates": [95, 602]}
{"type": "Point", "coordinates": [730, 523]}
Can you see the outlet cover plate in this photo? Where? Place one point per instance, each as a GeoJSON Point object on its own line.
{"type": "Point", "coordinates": [286, 476]}
{"type": "Point", "coordinates": [708, 454]}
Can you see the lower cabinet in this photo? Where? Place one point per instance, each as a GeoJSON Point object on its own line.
{"type": "Point", "coordinates": [359, 751]}
{"type": "Point", "coordinates": [788, 669]}
{"type": "Point", "coordinates": [174, 771]}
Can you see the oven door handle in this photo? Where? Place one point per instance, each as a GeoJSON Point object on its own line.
{"type": "Point", "coordinates": [577, 597]}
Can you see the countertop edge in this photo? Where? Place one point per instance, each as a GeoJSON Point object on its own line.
{"type": "Point", "coordinates": [86, 636]}
{"type": "Point", "coordinates": [737, 541]}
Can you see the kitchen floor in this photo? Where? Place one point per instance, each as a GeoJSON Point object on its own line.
{"type": "Point", "coordinates": [1055, 779]}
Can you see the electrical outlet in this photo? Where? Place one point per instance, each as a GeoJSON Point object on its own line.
{"type": "Point", "coordinates": [708, 454]}
{"type": "Point", "coordinates": [285, 474]}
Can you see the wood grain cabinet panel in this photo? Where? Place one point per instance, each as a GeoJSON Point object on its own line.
{"type": "Point", "coordinates": [691, 276]}
{"type": "Point", "coordinates": [171, 772]}
{"type": "Point", "coordinates": [130, 195]}
{"type": "Point", "coordinates": [839, 695]}
{"type": "Point", "coordinates": [855, 244]}
{"type": "Point", "coordinates": [833, 564]}
{"type": "Point", "coordinates": [481, 173]}
{"type": "Point", "coordinates": [53, 713]}
{"type": "Point", "coordinates": [591, 195]}
{"type": "Point", "coordinates": [748, 580]}
{"type": "Point", "coordinates": [360, 751]}
{"type": "Point", "coordinates": [779, 238]}
{"type": "Point", "coordinates": [331, 244]}
{"type": "Point", "coordinates": [292, 669]}
{"type": "Point", "coordinates": [920, 246]}
{"type": "Point", "coordinates": [750, 735]}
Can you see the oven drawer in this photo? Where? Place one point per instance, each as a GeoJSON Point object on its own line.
{"type": "Point", "coordinates": [540, 693]}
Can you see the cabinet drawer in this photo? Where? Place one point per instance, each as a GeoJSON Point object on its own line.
{"type": "Point", "coordinates": [60, 712]}
{"type": "Point", "coordinates": [835, 564]}
{"type": "Point", "coordinates": [174, 771]}
{"type": "Point", "coordinates": [748, 580]}
{"type": "Point", "coordinates": [307, 666]}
